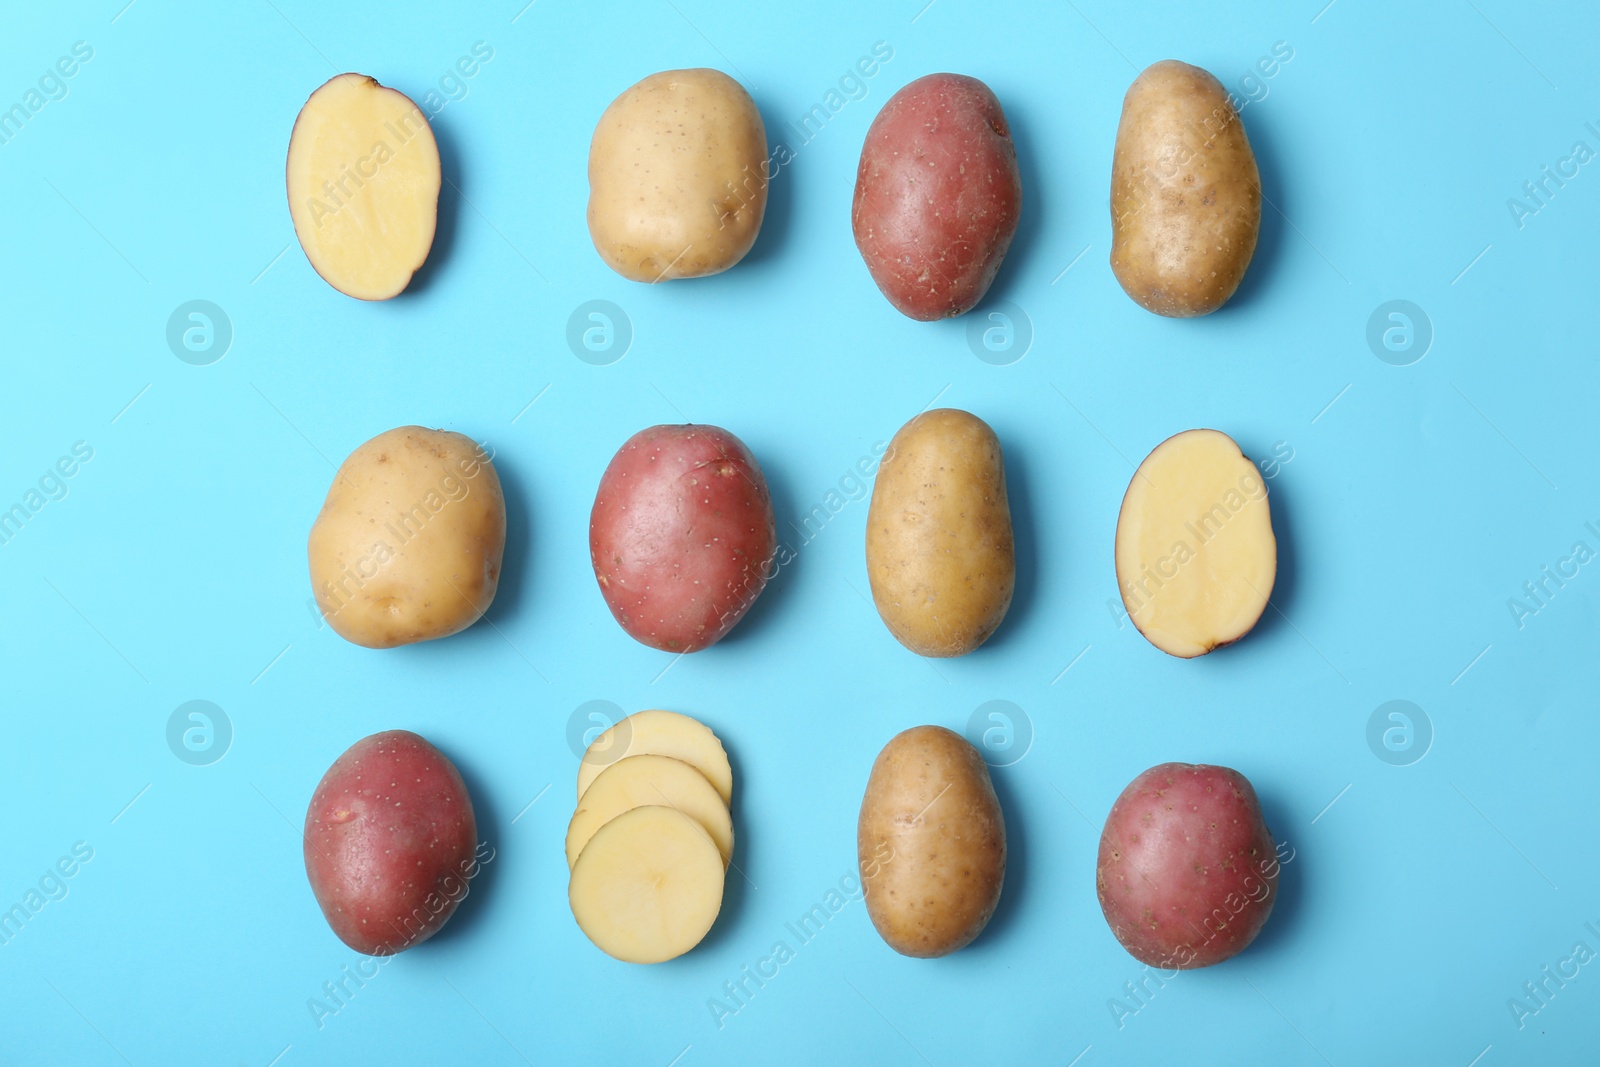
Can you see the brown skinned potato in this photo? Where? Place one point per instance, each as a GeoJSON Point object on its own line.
{"type": "Point", "coordinates": [931, 842]}
{"type": "Point", "coordinates": [940, 553]}
{"type": "Point", "coordinates": [1185, 193]}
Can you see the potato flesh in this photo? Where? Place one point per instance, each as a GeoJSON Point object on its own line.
{"type": "Point", "coordinates": [677, 176]}
{"type": "Point", "coordinates": [363, 177]}
{"type": "Point", "coordinates": [643, 781]}
{"type": "Point", "coordinates": [1196, 556]}
{"type": "Point", "coordinates": [660, 733]}
{"type": "Point", "coordinates": [648, 885]}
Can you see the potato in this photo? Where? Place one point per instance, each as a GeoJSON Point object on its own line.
{"type": "Point", "coordinates": [648, 885]}
{"type": "Point", "coordinates": [1185, 193]}
{"type": "Point", "coordinates": [390, 843]}
{"type": "Point", "coordinates": [931, 842]}
{"type": "Point", "coordinates": [363, 177]}
{"type": "Point", "coordinates": [681, 535]}
{"type": "Point", "coordinates": [659, 733]}
{"type": "Point", "coordinates": [409, 541]}
{"type": "Point", "coordinates": [940, 555]}
{"type": "Point", "coordinates": [1188, 871]}
{"type": "Point", "coordinates": [938, 195]}
{"type": "Point", "coordinates": [1196, 557]}
{"type": "Point", "coordinates": [640, 781]}
{"type": "Point", "coordinates": [677, 177]}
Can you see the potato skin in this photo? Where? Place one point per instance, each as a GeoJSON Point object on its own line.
{"type": "Point", "coordinates": [1185, 193]}
{"type": "Point", "coordinates": [938, 196]}
{"type": "Point", "coordinates": [408, 544]}
{"type": "Point", "coordinates": [1188, 872]}
{"type": "Point", "coordinates": [390, 843]}
{"type": "Point", "coordinates": [677, 176]}
{"type": "Point", "coordinates": [940, 553]}
{"type": "Point", "coordinates": [931, 841]}
{"type": "Point", "coordinates": [681, 535]}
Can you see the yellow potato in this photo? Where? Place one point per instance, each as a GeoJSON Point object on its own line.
{"type": "Point", "coordinates": [1185, 193]}
{"type": "Point", "coordinates": [641, 781]}
{"type": "Point", "coordinates": [931, 842]}
{"type": "Point", "coordinates": [1196, 557]}
{"type": "Point", "coordinates": [940, 555]}
{"type": "Point", "coordinates": [677, 176]}
{"type": "Point", "coordinates": [659, 733]}
{"type": "Point", "coordinates": [408, 544]}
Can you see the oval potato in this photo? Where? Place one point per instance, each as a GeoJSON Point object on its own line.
{"type": "Point", "coordinates": [1185, 193]}
{"type": "Point", "coordinates": [940, 553]}
{"type": "Point", "coordinates": [677, 176]}
{"type": "Point", "coordinates": [938, 196]}
{"type": "Point", "coordinates": [931, 842]}
{"type": "Point", "coordinates": [408, 544]}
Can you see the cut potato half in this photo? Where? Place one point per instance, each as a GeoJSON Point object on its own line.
{"type": "Point", "coordinates": [641, 781]}
{"type": "Point", "coordinates": [363, 177]}
{"type": "Point", "coordinates": [648, 885]}
{"type": "Point", "coordinates": [660, 733]}
{"type": "Point", "coordinates": [1196, 556]}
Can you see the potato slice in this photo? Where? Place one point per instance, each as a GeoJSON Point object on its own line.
{"type": "Point", "coordinates": [1196, 557]}
{"type": "Point", "coordinates": [659, 733]}
{"type": "Point", "coordinates": [647, 886]}
{"type": "Point", "coordinates": [642, 781]}
{"type": "Point", "coordinates": [363, 177]}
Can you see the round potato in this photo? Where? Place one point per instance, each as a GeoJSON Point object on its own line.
{"type": "Point", "coordinates": [931, 842]}
{"type": "Point", "coordinates": [408, 544]}
{"type": "Point", "coordinates": [1185, 193]}
{"type": "Point", "coordinates": [938, 196]}
{"type": "Point", "coordinates": [681, 535]}
{"type": "Point", "coordinates": [390, 843]}
{"type": "Point", "coordinates": [940, 554]}
{"type": "Point", "coordinates": [677, 177]}
{"type": "Point", "coordinates": [1188, 871]}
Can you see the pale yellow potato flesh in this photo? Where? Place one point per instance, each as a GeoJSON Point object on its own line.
{"type": "Point", "coordinates": [641, 781]}
{"type": "Point", "coordinates": [363, 177]}
{"type": "Point", "coordinates": [677, 176]}
{"type": "Point", "coordinates": [941, 559]}
{"type": "Point", "coordinates": [648, 885]}
{"type": "Point", "coordinates": [1196, 556]}
{"type": "Point", "coordinates": [408, 544]}
{"type": "Point", "coordinates": [660, 733]}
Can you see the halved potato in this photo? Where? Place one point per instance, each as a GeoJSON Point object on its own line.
{"type": "Point", "coordinates": [363, 176]}
{"type": "Point", "coordinates": [642, 781]}
{"type": "Point", "coordinates": [1196, 556]}
{"type": "Point", "coordinates": [662, 733]}
{"type": "Point", "coordinates": [648, 885]}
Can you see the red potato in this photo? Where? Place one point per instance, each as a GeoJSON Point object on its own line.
{"type": "Point", "coordinates": [938, 196]}
{"type": "Point", "coordinates": [1188, 871]}
{"type": "Point", "coordinates": [681, 535]}
{"type": "Point", "coordinates": [390, 843]}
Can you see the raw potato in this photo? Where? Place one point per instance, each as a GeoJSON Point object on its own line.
{"type": "Point", "coordinates": [640, 781]}
{"type": "Point", "coordinates": [681, 535]}
{"type": "Point", "coordinates": [1185, 193]}
{"type": "Point", "coordinates": [677, 177]}
{"type": "Point", "coordinates": [390, 843]}
{"type": "Point", "coordinates": [938, 196]}
{"type": "Point", "coordinates": [940, 554]}
{"type": "Point", "coordinates": [363, 176]}
{"type": "Point", "coordinates": [1187, 872]}
{"type": "Point", "coordinates": [660, 733]}
{"type": "Point", "coordinates": [648, 885]}
{"type": "Point", "coordinates": [931, 842]}
{"type": "Point", "coordinates": [1196, 557]}
{"type": "Point", "coordinates": [409, 541]}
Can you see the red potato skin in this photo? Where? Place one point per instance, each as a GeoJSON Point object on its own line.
{"type": "Point", "coordinates": [390, 842]}
{"type": "Point", "coordinates": [938, 195]}
{"type": "Point", "coordinates": [1188, 872]}
{"type": "Point", "coordinates": [682, 535]}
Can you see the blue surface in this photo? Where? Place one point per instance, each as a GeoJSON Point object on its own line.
{"type": "Point", "coordinates": [1419, 499]}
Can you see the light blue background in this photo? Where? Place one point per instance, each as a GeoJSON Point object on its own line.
{"type": "Point", "coordinates": [1413, 508]}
